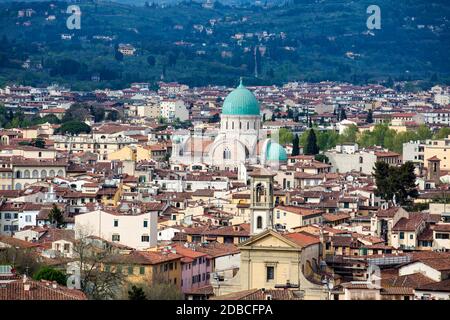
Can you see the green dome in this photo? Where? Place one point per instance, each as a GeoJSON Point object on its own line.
{"type": "Point", "coordinates": [241, 101]}
{"type": "Point", "coordinates": [275, 152]}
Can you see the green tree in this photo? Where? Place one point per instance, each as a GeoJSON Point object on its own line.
{"type": "Point", "coordinates": [311, 147]}
{"type": "Point", "coordinates": [369, 118]}
{"type": "Point", "coordinates": [73, 127]}
{"type": "Point", "coordinates": [349, 135]}
{"type": "Point", "coordinates": [118, 55]}
{"type": "Point", "coordinates": [424, 133]}
{"type": "Point", "coordinates": [136, 293]}
{"type": "Point", "coordinates": [442, 133]}
{"type": "Point", "coordinates": [285, 136]}
{"type": "Point", "coordinates": [381, 175]}
{"type": "Point", "coordinates": [342, 115]}
{"type": "Point", "coordinates": [295, 146]}
{"type": "Point", "coordinates": [56, 216]}
{"type": "Point", "coordinates": [38, 143]}
{"type": "Point", "coordinates": [113, 115]}
{"type": "Point", "coordinates": [322, 158]}
{"type": "Point", "coordinates": [151, 61]}
{"type": "Point", "coordinates": [397, 183]}
{"type": "Point", "coordinates": [48, 273]}
{"type": "Point", "coordinates": [76, 112]}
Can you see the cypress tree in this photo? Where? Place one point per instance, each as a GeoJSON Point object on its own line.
{"type": "Point", "coordinates": [311, 147]}
{"type": "Point", "coordinates": [295, 146]}
{"type": "Point", "coordinates": [369, 118]}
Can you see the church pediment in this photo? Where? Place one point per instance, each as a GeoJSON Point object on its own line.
{"type": "Point", "coordinates": [267, 239]}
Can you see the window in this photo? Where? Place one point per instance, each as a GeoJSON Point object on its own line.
{"type": "Point", "coordinates": [259, 222]}
{"type": "Point", "coordinates": [130, 270]}
{"type": "Point", "coordinates": [270, 273]}
{"type": "Point", "coordinates": [442, 235]}
{"type": "Point", "coordinates": [107, 268]}
{"type": "Point", "coordinates": [411, 236]}
{"type": "Point", "coordinates": [115, 237]}
{"type": "Point", "coordinates": [145, 223]}
{"type": "Point", "coordinates": [7, 215]}
{"type": "Point", "coordinates": [145, 238]}
{"type": "Point", "coordinates": [119, 269]}
{"type": "Point", "coordinates": [116, 223]}
{"type": "Point", "coordinates": [226, 153]}
{"type": "Point", "coordinates": [141, 270]}
{"type": "Point", "coordinates": [402, 235]}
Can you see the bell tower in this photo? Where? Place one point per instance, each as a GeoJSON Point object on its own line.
{"type": "Point", "coordinates": [261, 207]}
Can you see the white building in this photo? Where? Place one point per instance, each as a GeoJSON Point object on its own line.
{"type": "Point", "coordinates": [240, 139]}
{"type": "Point", "coordinates": [174, 109]}
{"type": "Point", "coordinates": [137, 230]}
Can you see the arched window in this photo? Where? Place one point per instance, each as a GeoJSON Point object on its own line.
{"type": "Point", "coordinates": [240, 125]}
{"type": "Point", "coordinates": [226, 153]}
{"type": "Point", "coordinates": [60, 173]}
{"type": "Point", "coordinates": [248, 125]}
{"type": "Point", "coordinates": [226, 125]}
{"type": "Point", "coordinates": [40, 154]}
{"type": "Point", "coordinates": [259, 222]}
{"type": "Point", "coordinates": [232, 125]}
{"type": "Point", "coordinates": [35, 174]}
{"type": "Point", "coordinates": [52, 173]}
{"type": "Point", "coordinates": [26, 174]}
{"type": "Point", "coordinates": [260, 193]}
{"type": "Point", "coordinates": [18, 174]}
{"type": "Point", "coordinates": [18, 186]}
{"type": "Point", "coordinates": [44, 174]}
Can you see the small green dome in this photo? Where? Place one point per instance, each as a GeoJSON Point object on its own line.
{"type": "Point", "coordinates": [275, 152]}
{"type": "Point", "coordinates": [241, 101]}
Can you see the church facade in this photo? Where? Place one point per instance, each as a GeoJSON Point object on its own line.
{"type": "Point", "coordinates": [239, 140]}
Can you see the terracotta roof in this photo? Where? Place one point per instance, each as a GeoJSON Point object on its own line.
{"type": "Point", "coordinates": [260, 294]}
{"type": "Point", "coordinates": [39, 290]}
{"type": "Point", "coordinates": [411, 280]}
{"type": "Point", "coordinates": [300, 210]}
{"type": "Point", "coordinates": [442, 286]}
{"type": "Point", "coordinates": [302, 239]}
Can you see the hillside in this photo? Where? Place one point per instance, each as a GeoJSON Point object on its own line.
{"type": "Point", "coordinates": [303, 40]}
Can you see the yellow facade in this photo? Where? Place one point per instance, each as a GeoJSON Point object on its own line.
{"type": "Point", "coordinates": [440, 149]}
{"type": "Point", "coordinates": [126, 153]}
{"type": "Point", "coordinates": [169, 271]}
{"type": "Point", "coordinates": [269, 259]}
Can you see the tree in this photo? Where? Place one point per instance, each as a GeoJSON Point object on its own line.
{"type": "Point", "coordinates": [389, 83]}
{"type": "Point", "coordinates": [295, 146]}
{"type": "Point", "coordinates": [151, 61]}
{"type": "Point", "coordinates": [113, 115]}
{"type": "Point", "coordinates": [342, 115]}
{"type": "Point", "coordinates": [136, 293]}
{"type": "Point", "coordinates": [24, 261]}
{"type": "Point", "coordinates": [73, 127]}
{"type": "Point", "coordinates": [38, 143]}
{"type": "Point", "coordinates": [396, 183]}
{"type": "Point", "coordinates": [381, 175]}
{"type": "Point", "coordinates": [55, 216]}
{"type": "Point", "coordinates": [349, 135]}
{"type": "Point", "coordinates": [98, 113]}
{"type": "Point", "coordinates": [285, 136]}
{"type": "Point", "coordinates": [311, 147]}
{"type": "Point", "coordinates": [442, 133]}
{"type": "Point", "coordinates": [48, 273]}
{"type": "Point", "coordinates": [162, 289]}
{"type": "Point", "coordinates": [118, 55]}
{"type": "Point", "coordinates": [76, 112]}
{"type": "Point", "coordinates": [369, 118]}
{"type": "Point", "coordinates": [96, 280]}
{"type": "Point", "coordinates": [322, 158]}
